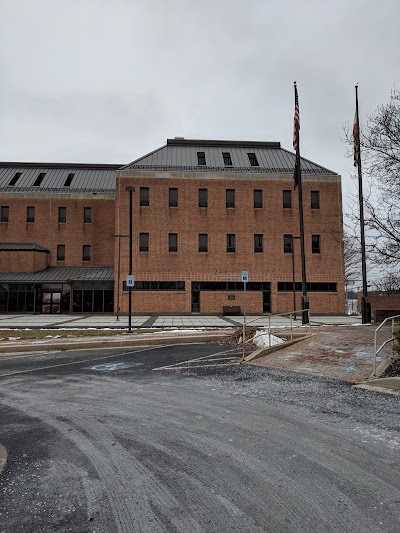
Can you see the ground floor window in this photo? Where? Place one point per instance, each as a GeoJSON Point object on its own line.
{"type": "Point", "coordinates": [92, 297]}
{"type": "Point", "coordinates": [16, 298]}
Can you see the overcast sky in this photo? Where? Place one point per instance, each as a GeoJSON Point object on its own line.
{"type": "Point", "coordinates": [106, 81]}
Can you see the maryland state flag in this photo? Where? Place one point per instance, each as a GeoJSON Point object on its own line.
{"type": "Point", "coordinates": [356, 140]}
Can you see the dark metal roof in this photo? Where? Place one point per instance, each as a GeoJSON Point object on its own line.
{"type": "Point", "coordinates": [180, 154]}
{"type": "Point", "coordinates": [22, 247]}
{"type": "Point", "coordinates": [59, 275]}
{"type": "Point", "coordinates": [87, 177]}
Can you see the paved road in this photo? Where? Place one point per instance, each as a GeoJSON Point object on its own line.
{"type": "Point", "coordinates": [97, 445]}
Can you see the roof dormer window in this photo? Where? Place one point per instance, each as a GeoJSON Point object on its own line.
{"type": "Point", "coordinates": [39, 179]}
{"type": "Point", "coordinates": [227, 159]}
{"type": "Point", "coordinates": [69, 180]}
{"type": "Point", "coordinates": [253, 159]}
{"type": "Point", "coordinates": [201, 158]}
{"type": "Point", "coordinates": [15, 179]}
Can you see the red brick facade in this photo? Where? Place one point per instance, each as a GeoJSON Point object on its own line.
{"type": "Point", "coordinates": [188, 220]}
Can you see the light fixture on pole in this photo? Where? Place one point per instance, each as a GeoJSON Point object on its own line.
{"type": "Point", "coordinates": [130, 190]}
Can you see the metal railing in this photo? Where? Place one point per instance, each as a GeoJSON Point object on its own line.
{"type": "Point", "coordinates": [392, 339]}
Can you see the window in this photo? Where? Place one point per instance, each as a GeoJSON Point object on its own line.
{"type": "Point", "coordinates": [60, 252]}
{"type": "Point", "coordinates": [288, 244]}
{"type": "Point", "coordinates": [87, 215]}
{"type": "Point", "coordinates": [173, 197]}
{"type": "Point", "coordinates": [287, 286]}
{"type": "Point", "coordinates": [230, 197]}
{"type": "Point", "coordinates": [144, 196]}
{"type": "Point", "coordinates": [173, 242]}
{"type": "Point", "coordinates": [201, 158]}
{"type": "Point", "coordinates": [258, 243]}
{"type": "Point", "coordinates": [227, 159]}
{"type": "Point", "coordinates": [39, 179]}
{"type": "Point", "coordinates": [203, 242]}
{"type": "Point", "coordinates": [316, 244]}
{"type": "Point", "coordinates": [314, 199]}
{"type": "Point", "coordinates": [157, 286]}
{"type": "Point", "coordinates": [30, 214]}
{"type": "Point", "coordinates": [231, 242]}
{"type": "Point", "coordinates": [203, 197]}
{"type": "Point", "coordinates": [287, 199]}
{"type": "Point", "coordinates": [258, 198]}
{"type": "Point", "coordinates": [5, 213]}
{"type": "Point", "coordinates": [144, 242]}
{"type": "Point", "coordinates": [62, 214]}
{"type": "Point", "coordinates": [14, 180]}
{"type": "Point", "coordinates": [253, 160]}
{"type": "Point", "coordinates": [69, 179]}
{"type": "Point", "coordinates": [86, 252]}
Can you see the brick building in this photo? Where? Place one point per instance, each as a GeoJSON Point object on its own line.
{"type": "Point", "coordinates": [203, 211]}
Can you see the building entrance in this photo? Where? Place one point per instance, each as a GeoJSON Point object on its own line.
{"type": "Point", "coordinates": [51, 302]}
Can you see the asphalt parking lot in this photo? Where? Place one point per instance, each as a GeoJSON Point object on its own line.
{"type": "Point", "coordinates": [183, 438]}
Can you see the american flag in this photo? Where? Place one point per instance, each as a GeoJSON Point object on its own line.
{"type": "Point", "coordinates": [355, 140]}
{"type": "Point", "coordinates": [296, 118]}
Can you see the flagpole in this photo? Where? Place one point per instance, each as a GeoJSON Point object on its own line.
{"type": "Point", "coordinates": [365, 305]}
{"type": "Point", "coordinates": [298, 182]}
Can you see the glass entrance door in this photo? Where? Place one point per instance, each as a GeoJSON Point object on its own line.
{"type": "Point", "coordinates": [51, 302]}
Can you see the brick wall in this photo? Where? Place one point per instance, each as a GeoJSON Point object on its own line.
{"type": "Point", "coordinates": [188, 220]}
{"type": "Point", "coordinates": [74, 233]}
{"type": "Point", "coordinates": [382, 304]}
{"type": "Point", "coordinates": [23, 261]}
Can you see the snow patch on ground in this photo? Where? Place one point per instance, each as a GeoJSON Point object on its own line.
{"type": "Point", "coordinates": [262, 339]}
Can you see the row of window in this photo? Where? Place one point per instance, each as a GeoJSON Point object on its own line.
{"type": "Point", "coordinates": [283, 286]}
{"type": "Point", "coordinates": [226, 156]}
{"type": "Point", "coordinates": [86, 252]}
{"type": "Point", "coordinates": [258, 241]}
{"type": "Point", "coordinates": [30, 214]}
{"type": "Point", "coordinates": [39, 179]}
{"type": "Point", "coordinates": [230, 199]}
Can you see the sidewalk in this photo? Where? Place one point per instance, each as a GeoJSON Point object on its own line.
{"type": "Point", "coordinates": [19, 321]}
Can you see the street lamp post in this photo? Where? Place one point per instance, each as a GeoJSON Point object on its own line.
{"type": "Point", "coordinates": [119, 236]}
{"type": "Point", "coordinates": [130, 190]}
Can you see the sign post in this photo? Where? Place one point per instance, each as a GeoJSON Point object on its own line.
{"type": "Point", "coordinates": [245, 279]}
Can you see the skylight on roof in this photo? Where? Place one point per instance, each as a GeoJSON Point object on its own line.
{"type": "Point", "coordinates": [15, 179]}
{"type": "Point", "coordinates": [69, 180]}
{"type": "Point", "coordinates": [39, 179]}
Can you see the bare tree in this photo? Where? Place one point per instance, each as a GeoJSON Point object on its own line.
{"type": "Point", "coordinates": [389, 283]}
{"type": "Point", "coordinates": [352, 258]}
{"type": "Point", "coordinates": [380, 152]}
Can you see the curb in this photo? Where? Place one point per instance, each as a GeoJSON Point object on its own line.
{"type": "Point", "coordinates": [87, 345]}
{"type": "Point", "coordinates": [3, 457]}
{"type": "Point", "coordinates": [270, 349]}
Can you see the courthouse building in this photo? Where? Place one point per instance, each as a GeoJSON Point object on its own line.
{"type": "Point", "coordinates": [203, 211]}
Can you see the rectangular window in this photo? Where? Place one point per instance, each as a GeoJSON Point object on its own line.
{"type": "Point", "coordinates": [201, 158]}
{"type": "Point", "coordinates": [39, 179]}
{"type": "Point", "coordinates": [173, 242]}
{"type": "Point", "coordinates": [258, 243]}
{"type": "Point", "coordinates": [288, 244]}
{"type": "Point", "coordinates": [173, 197]}
{"type": "Point", "coordinates": [316, 244]}
{"type": "Point", "coordinates": [87, 215]}
{"type": "Point", "coordinates": [144, 196]}
{"type": "Point", "coordinates": [86, 252]}
{"type": "Point", "coordinates": [203, 197]}
{"type": "Point", "coordinates": [258, 199]}
{"type": "Point", "coordinates": [287, 199]}
{"type": "Point", "coordinates": [230, 197]}
{"type": "Point", "coordinates": [14, 180]}
{"type": "Point", "coordinates": [144, 242]}
{"type": "Point", "coordinates": [227, 159]}
{"type": "Point", "coordinates": [203, 242]}
{"type": "Point", "coordinates": [231, 242]}
{"type": "Point", "coordinates": [5, 213]}
{"type": "Point", "coordinates": [287, 286]}
{"type": "Point", "coordinates": [62, 214]}
{"type": "Point", "coordinates": [157, 286]}
{"type": "Point", "coordinates": [60, 252]}
{"type": "Point", "coordinates": [69, 179]}
{"type": "Point", "coordinates": [30, 214]}
{"type": "Point", "coordinates": [253, 160]}
{"type": "Point", "coordinates": [314, 199]}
